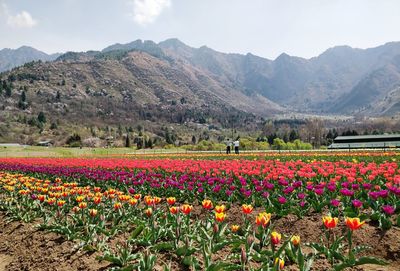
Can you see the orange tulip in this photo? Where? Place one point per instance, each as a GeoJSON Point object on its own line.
{"type": "Point", "coordinates": [330, 222]}
{"type": "Point", "coordinates": [75, 209]}
{"type": "Point", "coordinates": [133, 202]}
{"type": "Point", "coordinates": [51, 201]}
{"type": "Point", "coordinates": [171, 200]}
{"type": "Point", "coordinates": [148, 212]}
{"type": "Point", "coordinates": [92, 212]}
{"type": "Point", "coordinates": [173, 210]}
{"type": "Point", "coordinates": [82, 205]}
{"type": "Point", "coordinates": [280, 263]}
{"type": "Point", "coordinates": [96, 200]}
{"type": "Point", "coordinates": [207, 204]}
{"type": "Point", "coordinates": [247, 209]}
{"type": "Point", "coordinates": [276, 238]}
{"type": "Point", "coordinates": [137, 196]}
{"type": "Point", "coordinates": [80, 198]}
{"type": "Point", "coordinates": [235, 228]}
{"type": "Point", "coordinates": [354, 223]}
{"type": "Point", "coordinates": [220, 208]}
{"type": "Point", "coordinates": [149, 200]}
{"type": "Point", "coordinates": [295, 240]}
{"type": "Point", "coordinates": [262, 219]}
{"type": "Point", "coordinates": [220, 217]}
{"type": "Point", "coordinates": [186, 208]}
{"type": "Point", "coordinates": [41, 198]}
{"type": "Point", "coordinates": [117, 205]}
{"type": "Point", "coordinates": [60, 203]}
{"type": "Point", "coordinates": [157, 200]}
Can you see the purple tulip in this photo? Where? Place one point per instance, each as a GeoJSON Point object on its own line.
{"type": "Point", "coordinates": [301, 195]}
{"type": "Point", "coordinates": [282, 200]}
{"type": "Point", "coordinates": [335, 202]}
{"type": "Point", "coordinates": [319, 191]}
{"type": "Point", "coordinates": [357, 203]}
{"type": "Point", "coordinates": [288, 190]}
{"type": "Point", "coordinates": [346, 192]}
{"type": "Point", "coordinates": [265, 195]}
{"type": "Point", "coordinates": [388, 209]}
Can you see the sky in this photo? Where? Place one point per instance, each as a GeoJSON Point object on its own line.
{"type": "Point", "coordinates": [266, 28]}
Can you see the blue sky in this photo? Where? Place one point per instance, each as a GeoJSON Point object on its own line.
{"type": "Point", "coordinates": [266, 28]}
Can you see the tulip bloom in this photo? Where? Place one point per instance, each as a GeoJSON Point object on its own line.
{"type": "Point", "coordinates": [51, 201]}
{"type": "Point", "coordinates": [157, 200]}
{"type": "Point", "coordinates": [354, 223]}
{"type": "Point", "coordinates": [82, 205]}
{"type": "Point", "coordinates": [220, 208]}
{"type": "Point", "coordinates": [207, 204]}
{"type": "Point", "coordinates": [330, 222]}
{"type": "Point", "coordinates": [220, 217]}
{"type": "Point", "coordinates": [60, 203]}
{"type": "Point", "coordinates": [235, 228]}
{"type": "Point", "coordinates": [173, 210]}
{"type": "Point", "coordinates": [149, 200]}
{"type": "Point", "coordinates": [41, 198]}
{"type": "Point", "coordinates": [133, 202]}
{"type": "Point", "coordinates": [247, 209]}
{"type": "Point", "coordinates": [97, 200]}
{"type": "Point", "coordinates": [117, 205]}
{"type": "Point", "coordinates": [148, 212]}
{"type": "Point", "coordinates": [388, 209]}
{"type": "Point", "coordinates": [137, 196]}
{"type": "Point", "coordinates": [262, 219]}
{"type": "Point", "coordinates": [357, 203]}
{"type": "Point", "coordinates": [276, 238]}
{"type": "Point", "coordinates": [171, 200]}
{"type": "Point", "coordinates": [295, 240]}
{"type": "Point", "coordinates": [92, 212]}
{"type": "Point", "coordinates": [280, 263]}
{"type": "Point", "coordinates": [186, 208]}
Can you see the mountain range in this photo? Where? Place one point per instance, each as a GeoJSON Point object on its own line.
{"type": "Point", "coordinates": [10, 58]}
{"type": "Point", "coordinates": [342, 80]}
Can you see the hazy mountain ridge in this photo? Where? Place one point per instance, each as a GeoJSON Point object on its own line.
{"type": "Point", "coordinates": [342, 80]}
{"type": "Point", "coordinates": [11, 58]}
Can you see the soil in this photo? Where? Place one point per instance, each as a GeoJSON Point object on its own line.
{"type": "Point", "coordinates": [23, 247]}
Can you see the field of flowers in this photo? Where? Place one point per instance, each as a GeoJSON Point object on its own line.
{"type": "Point", "coordinates": [290, 212]}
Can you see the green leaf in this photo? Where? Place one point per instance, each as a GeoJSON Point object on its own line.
{"type": "Point", "coordinates": [137, 232]}
{"type": "Point", "coordinates": [300, 259]}
{"type": "Point", "coordinates": [184, 251]}
{"type": "Point", "coordinates": [223, 266]}
{"type": "Point", "coordinates": [360, 261]}
{"type": "Point", "coordinates": [163, 246]}
{"type": "Point", "coordinates": [111, 259]}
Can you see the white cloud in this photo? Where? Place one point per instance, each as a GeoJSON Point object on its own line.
{"type": "Point", "coordinates": [21, 20]}
{"type": "Point", "coordinates": [147, 11]}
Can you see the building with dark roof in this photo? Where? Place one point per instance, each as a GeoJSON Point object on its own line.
{"type": "Point", "coordinates": [366, 142]}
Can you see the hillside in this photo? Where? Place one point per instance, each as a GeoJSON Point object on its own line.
{"type": "Point", "coordinates": [171, 85]}
{"type": "Point", "coordinates": [10, 58]}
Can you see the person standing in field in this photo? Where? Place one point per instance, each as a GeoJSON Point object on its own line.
{"type": "Point", "coordinates": [228, 146]}
{"type": "Point", "coordinates": [236, 145]}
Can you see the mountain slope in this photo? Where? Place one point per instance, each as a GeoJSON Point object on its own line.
{"type": "Point", "coordinates": [329, 83]}
{"type": "Point", "coordinates": [10, 58]}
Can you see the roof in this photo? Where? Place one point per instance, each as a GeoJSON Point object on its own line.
{"type": "Point", "coordinates": [368, 137]}
{"type": "Point", "coordinates": [365, 145]}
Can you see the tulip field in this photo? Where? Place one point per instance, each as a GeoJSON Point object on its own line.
{"type": "Point", "coordinates": [332, 211]}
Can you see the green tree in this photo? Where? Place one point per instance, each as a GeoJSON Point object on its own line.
{"type": "Point", "coordinates": [41, 117]}
{"type": "Point", "coordinates": [127, 141]}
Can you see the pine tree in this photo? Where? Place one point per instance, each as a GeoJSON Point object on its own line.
{"type": "Point", "coordinates": [41, 117]}
{"type": "Point", "coordinates": [127, 141]}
